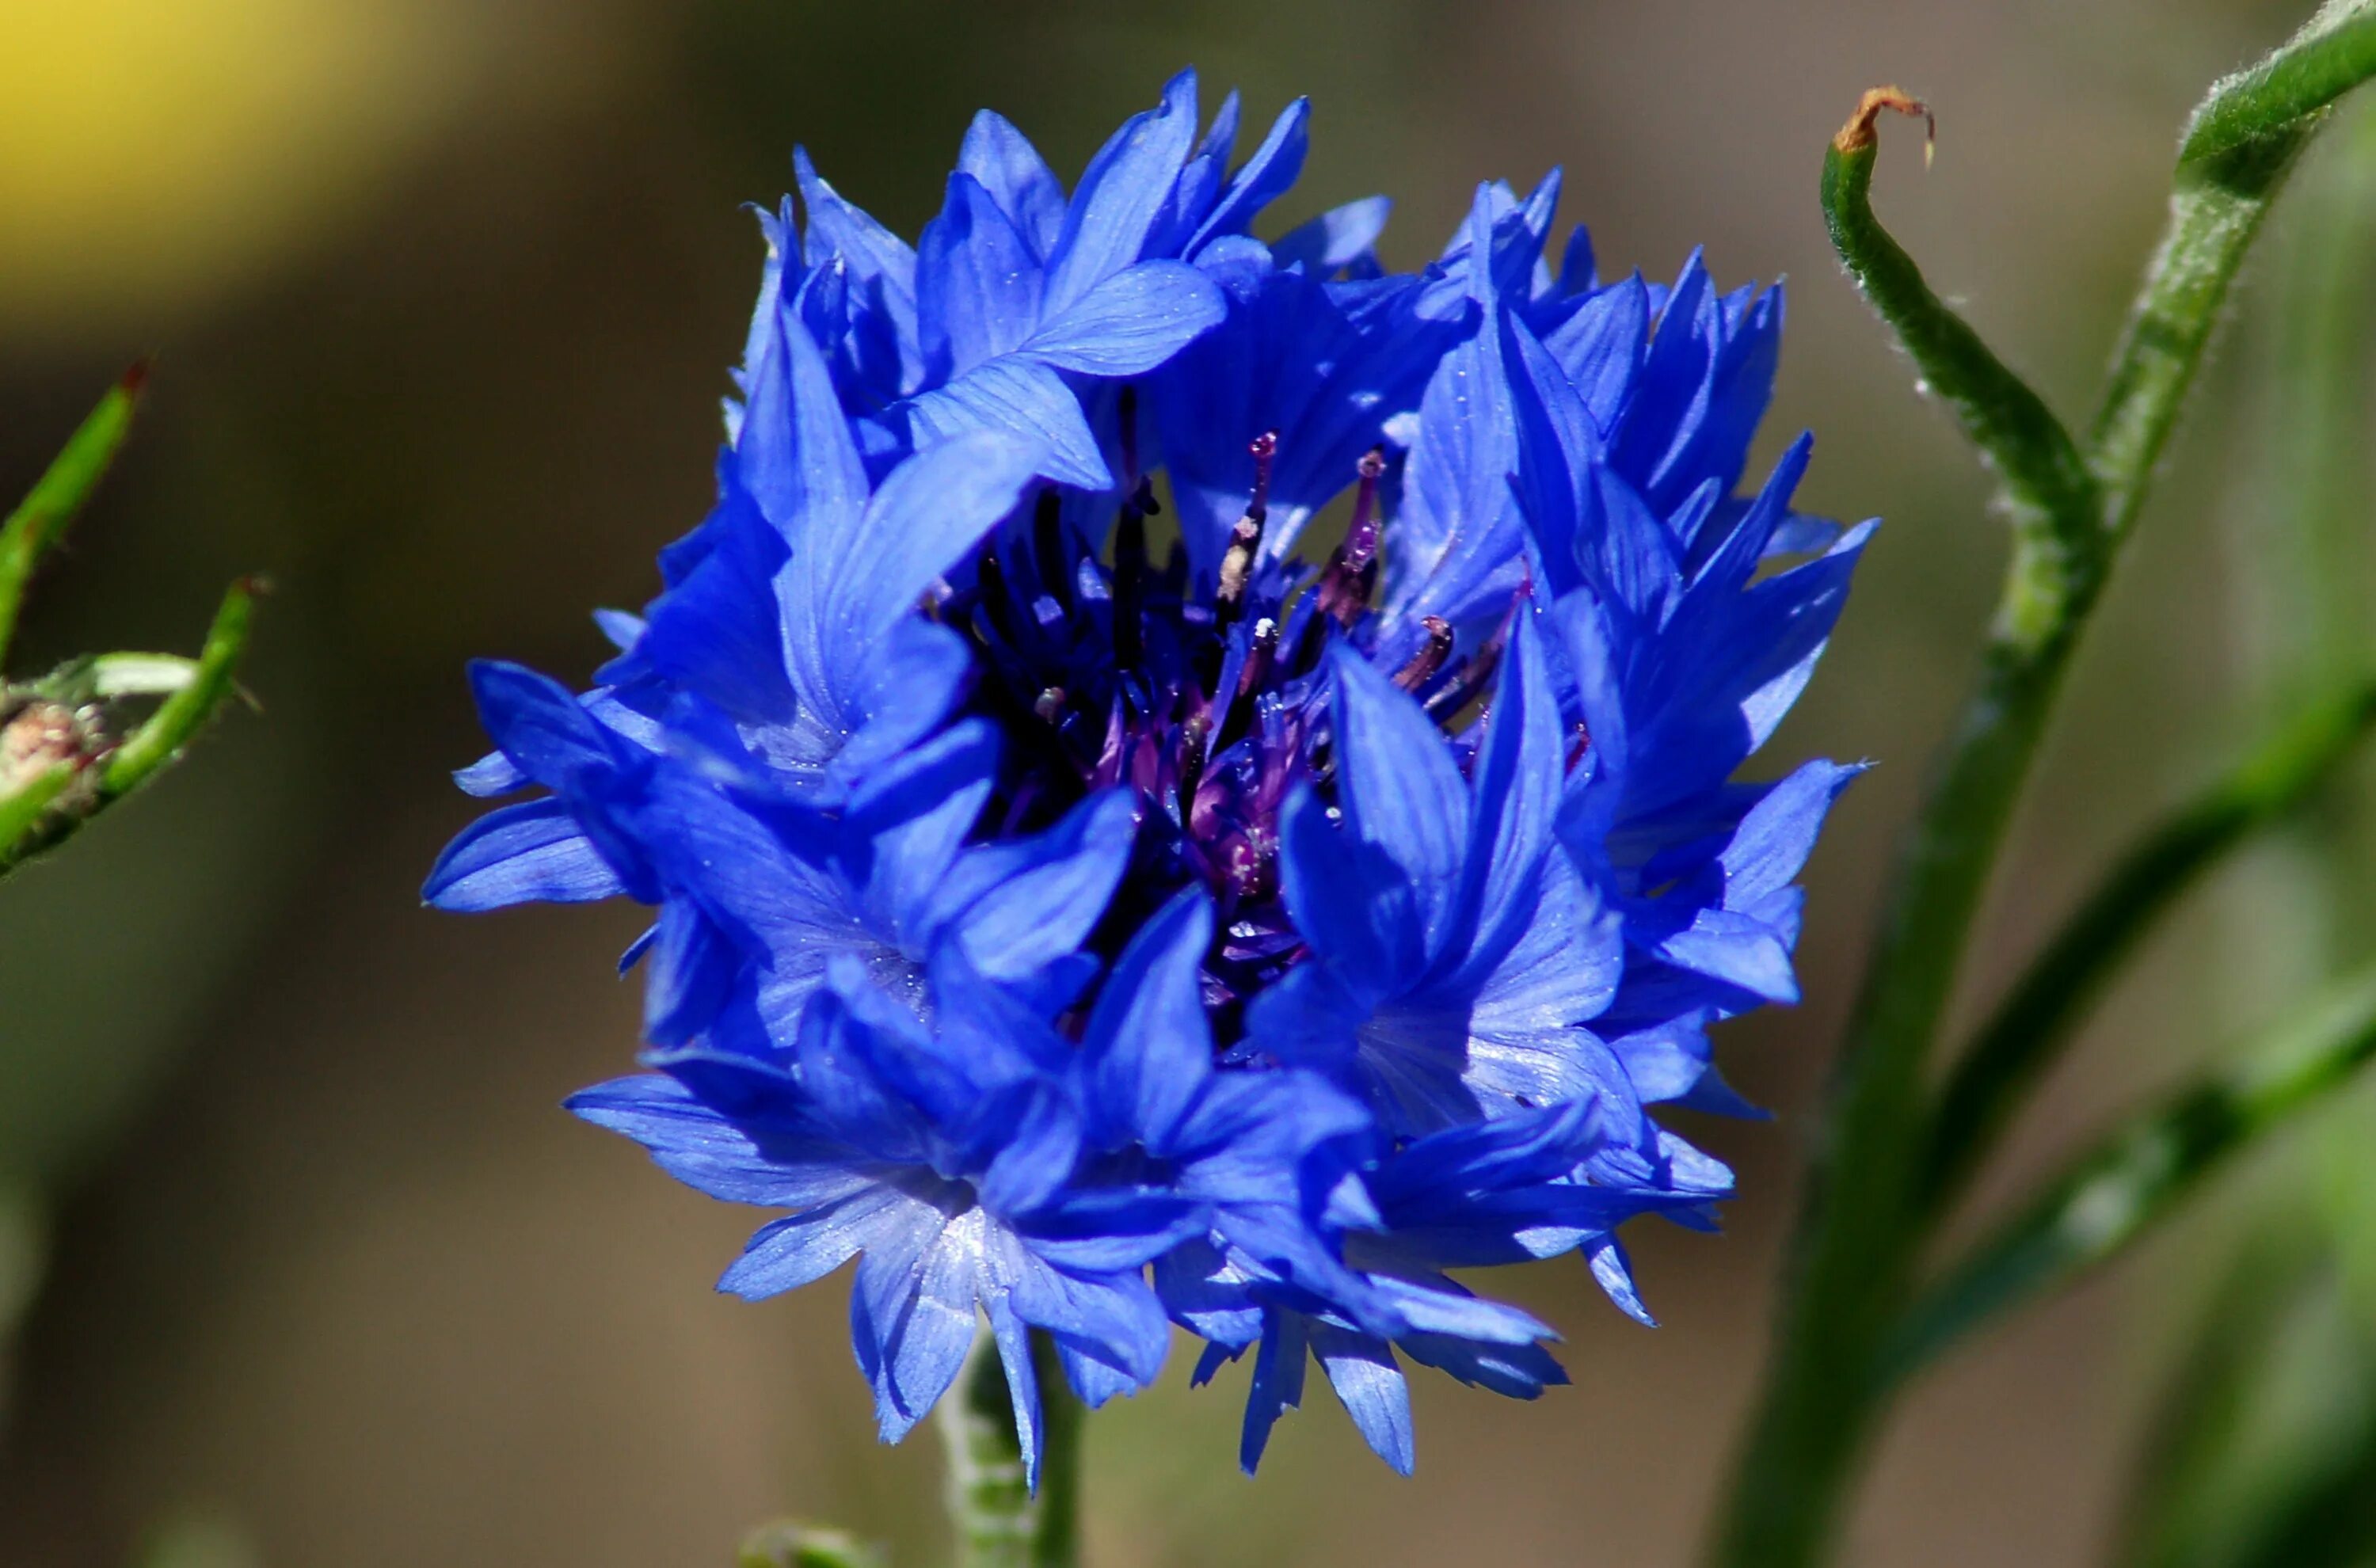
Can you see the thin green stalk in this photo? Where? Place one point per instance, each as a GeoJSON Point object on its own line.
{"type": "Point", "coordinates": [41, 519]}
{"type": "Point", "coordinates": [184, 713]}
{"type": "Point", "coordinates": [999, 1523]}
{"type": "Point", "coordinates": [2038, 1015]}
{"type": "Point", "coordinates": [1860, 1224]}
{"type": "Point", "coordinates": [2110, 1196]}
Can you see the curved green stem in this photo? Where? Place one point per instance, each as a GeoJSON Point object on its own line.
{"type": "Point", "coordinates": [1860, 1226]}
{"type": "Point", "coordinates": [2038, 1015]}
{"type": "Point", "coordinates": [999, 1523]}
{"type": "Point", "coordinates": [2110, 1196]}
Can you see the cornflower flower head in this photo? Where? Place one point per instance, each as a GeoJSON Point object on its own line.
{"type": "Point", "coordinates": [1095, 914]}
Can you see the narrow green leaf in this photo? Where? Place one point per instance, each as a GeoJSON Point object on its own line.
{"type": "Point", "coordinates": [41, 518]}
{"type": "Point", "coordinates": [2112, 1194]}
{"type": "Point", "coordinates": [2038, 1015]}
{"type": "Point", "coordinates": [2333, 54]}
{"type": "Point", "coordinates": [182, 715]}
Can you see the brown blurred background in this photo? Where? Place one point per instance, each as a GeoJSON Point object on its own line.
{"type": "Point", "coordinates": [443, 293]}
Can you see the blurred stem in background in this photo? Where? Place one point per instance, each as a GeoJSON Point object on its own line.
{"type": "Point", "coordinates": [999, 1523]}
{"type": "Point", "coordinates": [1882, 1172]}
{"type": "Point", "coordinates": [2262, 1451]}
{"type": "Point", "coordinates": [72, 744]}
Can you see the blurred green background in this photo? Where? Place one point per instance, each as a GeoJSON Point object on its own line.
{"type": "Point", "coordinates": [443, 293]}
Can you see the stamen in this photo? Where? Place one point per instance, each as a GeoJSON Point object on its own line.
{"type": "Point", "coordinates": [1050, 704]}
{"type": "Point", "coordinates": [1193, 735]}
{"type": "Point", "coordinates": [1423, 664]}
{"type": "Point", "coordinates": [1245, 540]}
{"type": "Point", "coordinates": [1361, 538]}
{"type": "Point", "coordinates": [1352, 571]}
{"type": "Point", "coordinates": [1253, 676]}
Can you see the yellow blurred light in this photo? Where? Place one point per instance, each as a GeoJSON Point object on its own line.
{"type": "Point", "coordinates": [154, 151]}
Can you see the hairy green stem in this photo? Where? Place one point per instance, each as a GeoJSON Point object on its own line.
{"type": "Point", "coordinates": [2112, 1195]}
{"type": "Point", "coordinates": [999, 1523]}
{"type": "Point", "coordinates": [1860, 1227]}
{"type": "Point", "coordinates": [2035, 1020]}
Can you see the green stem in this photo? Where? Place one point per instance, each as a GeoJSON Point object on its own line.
{"type": "Point", "coordinates": [2038, 1015]}
{"type": "Point", "coordinates": [1860, 1225]}
{"type": "Point", "coordinates": [2335, 54]}
{"type": "Point", "coordinates": [28, 828]}
{"type": "Point", "coordinates": [184, 713]}
{"type": "Point", "coordinates": [2110, 1196]}
{"type": "Point", "coordinates": [999, 1523]}
{"type": "Point", "coordinates": [41, 519]}
{"type": "Point", "coordinates": [23, 809]}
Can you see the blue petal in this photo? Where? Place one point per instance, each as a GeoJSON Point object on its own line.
{"type": "Point", "coordinates": [1017, 177]}
{"type": "Point", "coordinates": [795, 455]}
{"type": "Point", "coordinates": [1122, 194]}
{"type": "Point", "coordinates": [1130, 323]}
{"type": "Point", "coordinates": [1018, 905]}
{"type": "Point", "coordinates": [1335, 239]}
{"type": "Point", "coordinates": [532, 852]}
{"type": "Point", "coordinates": [1265, 177]}
{"type": "Point", "coordinates": [1022, 400]}
{"type": "Point", "coordinates": [1402, 790]}
{"type": "Point", "coordinates": [1372, 1390]}
{"type": "Point", "coordinates": [1148, 1048]}
{"type": "Point", "coordinates": [807, 1247]}
{"type": "Point", "coordinates": [977, 281]}
{"type": "Point", "coordinates": [855, 577]}
{"type": "Point", "coordinates": [538, 723]}
{"type": "Point", "coordinates": [882, 279]}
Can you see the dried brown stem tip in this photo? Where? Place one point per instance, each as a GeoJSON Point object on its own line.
{"type": "Point", "coordinates": [1859, 134]}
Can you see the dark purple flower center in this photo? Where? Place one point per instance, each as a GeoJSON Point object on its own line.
{"type": "Point", "coordinates": [1203, 694]}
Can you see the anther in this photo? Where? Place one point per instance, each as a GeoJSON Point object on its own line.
{"type": "Point", "coordinates": [1245, 540]}
{"type": "Point", "coordinates": [1238, 564]}
{"type": "Point", "coordinates": [1050, 704]}
{"type": "Point", "coordinates": [1423, 665]}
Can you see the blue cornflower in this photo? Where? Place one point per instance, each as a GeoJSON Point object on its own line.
{"type": "Point", "coordinates": [1086, 942]}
